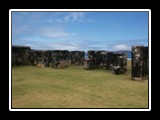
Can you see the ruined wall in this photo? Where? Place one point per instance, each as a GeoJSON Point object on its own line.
{"type": "Point", "coordinates": [63, 58]}
{"type": "Point", "coordinates": [100, 59]}
{"type": "Point", "coordinates": [21, 55]}
{"type": "Point", "coordinates": [76, 57]}
{"type": "Point", "coordinates": [139, 62]}
{"type": "Point", "coordinates": [119, 63]}
{"type": "Point", "coordinates": [106, 60]}
{"type": "Point", "coordinates": [50, 58]}
{"type": "Point", "coordinates": [59, 58]}
{"type": "Point", "coordinates": [40, 58]}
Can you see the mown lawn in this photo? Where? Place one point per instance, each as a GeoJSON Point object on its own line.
{"type": "Point", "coordinates": [74, 87]}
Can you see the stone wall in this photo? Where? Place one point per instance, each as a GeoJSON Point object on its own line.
{"type": "Point", "coordinates": [106, 60]}
{"type": "Point", "coordinates": [76, 57]}
{"type": "Point", "coordinates": [139, 62]}
{"type": "Point", "coordinates": [21, 55]}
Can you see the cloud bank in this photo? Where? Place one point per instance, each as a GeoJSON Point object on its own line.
{"type": "Point", "coordinates": [121, 47]}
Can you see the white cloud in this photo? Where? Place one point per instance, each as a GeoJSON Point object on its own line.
{"type": "Point", "coordinates": [53, 33]}
{"type": "Point", "coordinates": [69, 17]}
{"type": "Point", "coordinates": [64, 47]}
{"type": "Point", "coordinates": [121, 47]}
{"type": "Point", "coordinates": [75, 16]}
{"type": "Point", "coordinates": [72, 17]}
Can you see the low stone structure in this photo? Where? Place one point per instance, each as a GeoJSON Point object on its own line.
{"type": "Point", "coordinates": [106, 60]}
{"type": "Point", "coordinates": [52, 58]}
{"type": "Point", "coordinates": [100, 59]}
{"type": "Point", "coordinates": [21, 55]}
{"type": "Point", "coordinates": [140, 64]}
{"type": "Point", "coordinates": [117, 62]}
{"type": "Point", "coordinates": [37, 57]}
{"type": "Point", "coordinates": [59, 58]}
{"type": "Point", "coordinates": [76, 57]}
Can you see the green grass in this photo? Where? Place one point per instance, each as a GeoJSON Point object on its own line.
{"type": "Point", "coordinates": [74, 87]}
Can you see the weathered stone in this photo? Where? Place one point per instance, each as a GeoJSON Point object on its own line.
{"type": "Point", "coordinates": [119, 63]}
{"type": "Point", "coordinates": [139, 62]}
{"type": "Point", "coordinates": [106, 60]}
{"type": "Point", "coordinates": [20, 55]}
{"type": "Point", "coordinates": [63, 58]}
{"type": "Point", "coordinates": [88, 64]}
{"type": "Point", "coordinates": [76, 57]}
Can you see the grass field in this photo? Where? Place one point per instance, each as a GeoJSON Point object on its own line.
{"type": "Point", "coordinates": [74, 87]}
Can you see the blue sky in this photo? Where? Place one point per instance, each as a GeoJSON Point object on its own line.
{"type": "Point", "coordinates": [80, 30]}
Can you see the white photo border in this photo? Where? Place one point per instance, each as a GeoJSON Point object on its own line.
{"type": "Point", "coordinates": [78, 10]}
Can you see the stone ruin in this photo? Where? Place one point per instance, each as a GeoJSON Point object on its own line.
{"type": "Point", "coordinates": [98, 59]}
{"type": "Point", "coordinates": [50, 58]}
{"type": "Point", "coordinates": [117, 62]}
{"type": "Point", "coordinates": [106, 60]}
{"type": "Point", "coordinates": [76, 57]}
{"type": "Point", "coordinates": [39, 58]}
{"type": "Point", "coordinates": [140, 64]}
{"type": "Point", "coordinates": [21, 55]}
